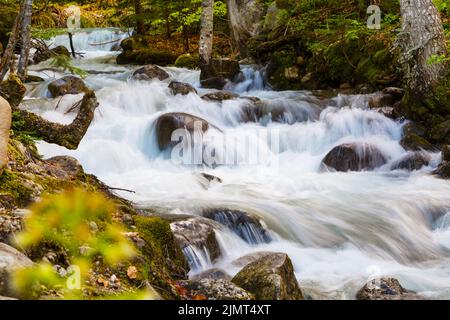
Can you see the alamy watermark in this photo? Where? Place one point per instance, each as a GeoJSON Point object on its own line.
{"type": "Point", "coordinates": [74, 19]}
{"type": "Point", "coordinates": [215, 148]}
{"type": "Point", "coordinates": [374, 20]}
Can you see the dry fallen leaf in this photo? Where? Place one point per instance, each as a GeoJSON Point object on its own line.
{"type": "Point", "coordinates": [132, 272]}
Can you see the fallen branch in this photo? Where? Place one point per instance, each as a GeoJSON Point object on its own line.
{"type": "Point", "coordinates": [103, 43]}
{"type": "Point", "coordinates": [68, 136]}
{"type": "Point", "coordinates": [117, 189]}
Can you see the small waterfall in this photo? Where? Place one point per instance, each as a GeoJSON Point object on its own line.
{"type": "Point", "coordinates": [198, 258]}
{"type": "Point", "coordinates": [252, 80]}
{"type": "Point", "coordinates": [91, 39]}
{"type": "Point", "coordinates": [245, 226]}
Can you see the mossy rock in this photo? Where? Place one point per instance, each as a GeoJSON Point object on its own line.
{"type": "Point", "coordinates": [162, 259]}
{"type": "Point", "coordinates": [13, 90]}
{"type": "Point", "coordinates": [270, 278]}
{"type": "Point", "coordinates": [187, 61]}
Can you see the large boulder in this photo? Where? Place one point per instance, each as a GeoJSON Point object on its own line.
{"type": "Point", "coordinates": [64, 167]}
{"type": "Point", "coordinates": [354, 157]}
{"type": "Point", "coordinates": [181, 88]}
{"type": "Point", "coordinates": [270, 278]}
{"type": "Point", "coordinates": [214, 289]}
{"type": "Point", "coordinates": [67, 85]}
{"type": "Point", "coordinates": [150, 72]}
{"type": "Point", "coordinates": [386, 289]}
{"type": "Point", "coordinates": [10, 260]}
{"type": "Point", "coordinates": [199, 234]}
{"type": "Point", "coordinates": [5, 126]}
{"type": "Point", "coordinates": [43, 55]}
{"type": "Point", "coordinates": [219, 72]}
{"type": "Point", "coordinates": [412, 161]}
{"type": "Point", "coordinates": [246, 226]}
{"type": "Point", "coordinates": [169, 122]}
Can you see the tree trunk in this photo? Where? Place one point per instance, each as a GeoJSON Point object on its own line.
{"type": "Point", "coordinates": [206, 32]}
{"type": "Point", "coordinates": [167, 22]}
{"type": "Point", "coordinates": [140, 27]}
{"type": "Point", "coordinates": [9, 50]}
{"type": "Point", "coordinates": [26, 39]}
{"type": "Point", "coordinates": [186, 38]}
{"type": "Point", "coordinates": [422, 37]}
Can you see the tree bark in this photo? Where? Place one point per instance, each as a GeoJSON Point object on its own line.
{"type": "Point", "coordinates": [9, 50]}
{"type": "Point", "coordinates": [206, 32]}
{"type": "Point", "coordinates": [68, 136]}
{"type": "Point", "coordinates": [26, 39]}
{"type": "Point", "coordinates": [422, 37]}
{"type": "Point", "coordinates": [140, 27]}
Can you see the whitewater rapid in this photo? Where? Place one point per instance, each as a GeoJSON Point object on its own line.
{"type": "Point", "coordinates": [340, 229]}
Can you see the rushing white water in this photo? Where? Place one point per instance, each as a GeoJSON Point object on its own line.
{"type": "Point", "coordinates": [340, 229]}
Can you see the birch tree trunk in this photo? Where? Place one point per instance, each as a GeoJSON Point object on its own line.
{"type": "Point", "coordinates": [12, 42]}
{"type": "Point", "coordinates": [206, 32]}
{"type": "Point", "coordinates": [26, 39]}
{"type": "Point", "coordinates": [422, 37]}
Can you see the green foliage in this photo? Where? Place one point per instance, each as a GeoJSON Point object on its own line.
{"type": "Point", "coordinates": [442, 6]}
{"type": "Point", "coordinates": [81, 223]}
{"type": "Point", "coordinates": [64, 63]}
{"type": "Point", "coordinates": [20, 131]}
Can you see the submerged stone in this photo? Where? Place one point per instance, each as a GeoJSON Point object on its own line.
{"type": "Point", "coordinates": [354, 157]}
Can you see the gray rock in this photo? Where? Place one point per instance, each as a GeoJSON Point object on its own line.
{"type": "Point", "coordinates": [216, 289]}
{"type": "Point", "coordinates": [150, 72]}
{"type": "Point", "coordinates": [10, 260]}
{"type": "Point", "coordinates": [412, 161]}
{"type": "Point", "coordinates": [181, 88]}
{"type": "Point", "coordinates": [64, 167]}
{"type": "Point", "coordinates": [67, 85]}
{"type": "Point", "coordinates": [386, 289]}
{"type": "Point", "coordinates": [220, 96]}
{"type": "Point", "coordinates": [270, 278]}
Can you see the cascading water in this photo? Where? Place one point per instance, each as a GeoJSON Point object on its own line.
{"type": "Point", "coordinates": [340, 229]}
